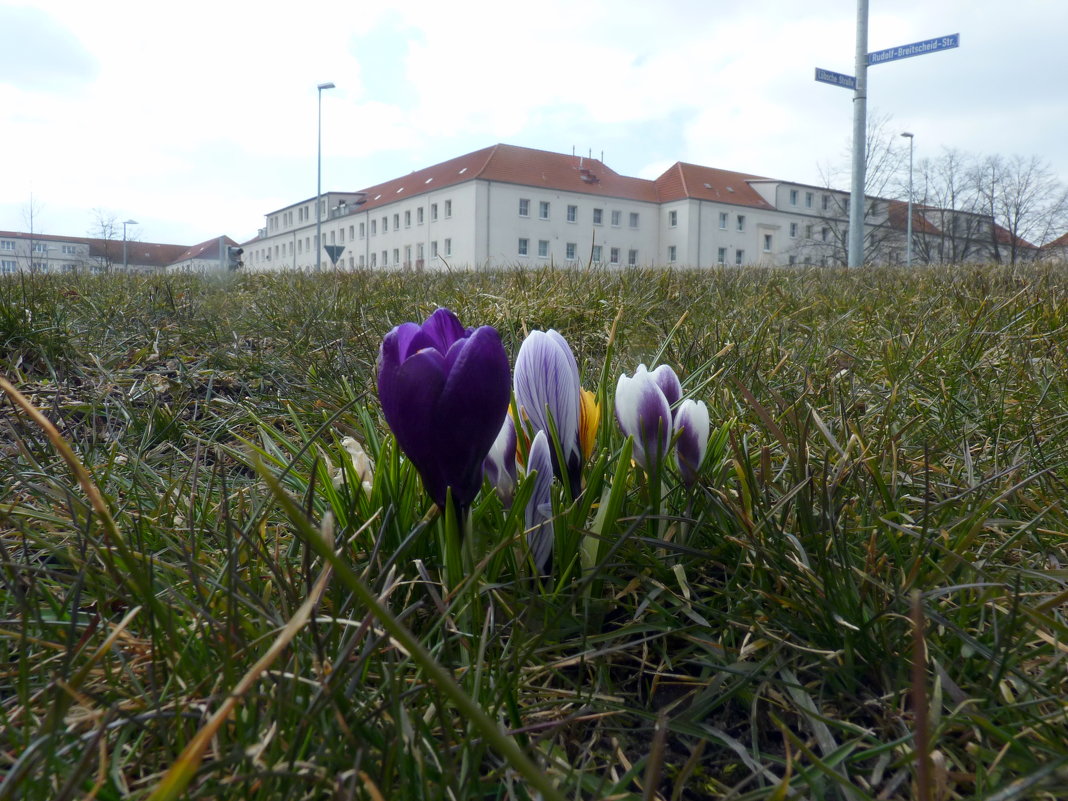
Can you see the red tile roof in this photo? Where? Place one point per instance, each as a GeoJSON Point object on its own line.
{"type": "Point", "coordinates": [208, 249]}
{"type": "Point", "coordinates": [708, 183]}
{"type": "Point", "coordinates": [897, 213]}
{"type": "Point", "coordinates": [1059, 242]}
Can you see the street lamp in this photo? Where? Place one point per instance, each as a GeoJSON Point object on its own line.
{"type": "Point", "coordinates": [125, 263]}
{"type": "Point", "coordinates": [908, 244]}
{"type": "Point", "coordinates": [319, 185]}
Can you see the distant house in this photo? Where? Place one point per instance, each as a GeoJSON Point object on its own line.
{"type": "Point", "coordinates": [213, 254]}
{"type": "Point", "coordinates": [1057, 250]}
{"type": "Point", "coordinates": [50, 253]}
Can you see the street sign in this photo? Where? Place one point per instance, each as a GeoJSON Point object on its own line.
{"type": "Point", "coordinates": [334, 252]}
{"type": "Point", "coordinates": [914, 49]}
{"type": "Point", "coordinates": [836, 78]}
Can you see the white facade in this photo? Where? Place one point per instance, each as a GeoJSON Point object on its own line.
{"type": "Point", "coordinates": [508, 206]}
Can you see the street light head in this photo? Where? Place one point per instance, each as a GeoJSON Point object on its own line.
{"type": "Point", "coordinates": [326, 85]}
{"type": "Point", "coordinates": [129, 222]}
{"type": "Point", "coordinates": [907, 135]}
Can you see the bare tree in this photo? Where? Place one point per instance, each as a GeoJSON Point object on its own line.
{"type": "Point", "coordinates": [105, 227]}
{"type": "Point", "coordinates": [949, 223]}
{"type": "Point", "coordinates": [1024, 197]}
{"type": "Point", "coordinates": [31, 215]}
{"type": "Point", "coordinates": [884, 163]}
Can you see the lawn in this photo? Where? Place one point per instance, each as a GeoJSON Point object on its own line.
{"type": "Point", "coordinates": [863, 594]}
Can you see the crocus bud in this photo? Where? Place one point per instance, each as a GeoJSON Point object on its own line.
{"type": "Point", "coordinates": [692, 427]}
{"type": "Point", "coordinates": [444, 394]}
{"type": "Point", "coordinates": [539, 511]}
{"type": "Point", "coordinates": [499, 465]}
{"type": "Point", "coordinates": [644, 414]}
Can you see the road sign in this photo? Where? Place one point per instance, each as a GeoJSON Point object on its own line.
{"type": "Point", "coordinates": [334, 252]}
{"type": "Point", "coordinates": [914, 49]}
{"type": "Point", "coordinates": [836, 78]}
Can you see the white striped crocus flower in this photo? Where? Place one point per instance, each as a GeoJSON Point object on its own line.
{"type": "Point", "coordinates": [692, 430]}
{"type": "Point", "coordinates": [499, 466]}
{"type": "Point", "coordinates": [546, 383]}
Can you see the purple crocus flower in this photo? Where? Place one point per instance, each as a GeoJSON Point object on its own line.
{"type": "Point", "coordinates": [669, 384]}
{"type": "Point", "coordinates": [444, 394]}
{"type": "Point", "coordinates": [499, 465]}
{"type": "Point", "coordinates": [547, 383]}
{"type": "Point", "coordinates": [692, 426]}
{"type": "Point", "coordinates": [644, 414]}
{"type": "Point", "coordinates": [539, 509]}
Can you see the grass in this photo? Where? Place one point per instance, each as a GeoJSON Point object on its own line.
{"type": "Point", "coordinates": [863, 598]}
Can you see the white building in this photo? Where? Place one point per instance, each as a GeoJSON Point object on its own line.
{"type": "Point", "coordinates": [49, 253]}
{"type": "Point", "coordinates": [507, 205]}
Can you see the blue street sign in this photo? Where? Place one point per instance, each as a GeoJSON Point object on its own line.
{"type": "Point", "coordinates": [914, 49]}
{"type": "Point", "coordinates": [836, 78]}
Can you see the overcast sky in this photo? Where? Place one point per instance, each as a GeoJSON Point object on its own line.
{"type": "Point", "coordinates": [197, 118]}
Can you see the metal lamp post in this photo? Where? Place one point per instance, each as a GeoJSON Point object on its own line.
{"type": "Point", "coordinates": [908, 243]}
{"type": "Point", "coordinates": [319, 185]}
{"type": "Point", "coordinates": [125, 262]}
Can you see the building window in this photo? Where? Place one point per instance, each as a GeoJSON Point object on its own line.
{"type": "Point", "coordinates": [300, 248]}
{"type": "Point", "coordinates": [808, 231]}
{"type": "Point", "coordinates": [570, 251]}
{"type": "Point", "coordinates": [739, 256]}
{"type": "Point", "coordinates": [808, 200]}
{"type": "Point", "coordinates": [634, 219]}
{"type": "Point", "coordinates": [767, 243]}
{"type": "Point", "coordinates": [721, 256]}
{"type": "Point", "coordinates": [672, 252]}
{"type": "Point", "coordinates": [68, 249]}
{"type": "Point", "coordinates": [524, 247]}
{"type": "Point", "coordinates": [374, 227]}
{"type": "Point", "coordinates": [792, 261]}
{"type": "Point", "coordinates": [419, 216]}
{"type": "Point", "coordinates": [632, 257]}
{"type": "Point", "coordinates": [673, 219]}
{"type": "Point", "coordinates": [448, 209]}
{"type": "Point", "coordinates": [826, 202]}
{"type": "Point", "coordinates": [741, 222]}
{"type": "Point", "coordinates": [793, 230]}
{"type": "Point", "coordinates": [793, 197]}
{"type": "Point", "coordinates": [363, 231]}
{"type": "Point", "coordinates": [419, 254]}
{"type": "Point", "coordinates": [434, 249]}
{"type": "Point", "coordinates": [524, 207]}
{"type": "Point", "coordinates": [7, 244]}
{"type": "Point", "coordinates": [385, 224]}
{"type": "Point", "coordinates": [396, 255]}
{"type": "Point", "coordinates": [407, 219]}
{"type": "Point", "coordinates": [543, 248]}
{"type": "Point", "coordinates": [825, 233]}
{"type": "Point", "coordinates": [596, 254]}
{"type": "Point", "coordinates": [613, 256]}
{"type": "Point", "coordinates": [407, 255]}
{"type": "Point", "coordinates": [433, 212]}
{"type": "Point", "coordinates": [598, 216]}
{"type": "Point", "coordinates": [543, 210]}
{"type": "Point", "coordinates": [396, 222]}
{"type": "Point", "coordinates": [572, 214]}
{"type": "Point", "coordinates": [617, 218]}
{"type": "Point", "coordinates": [448, 244]}
{"type": "Point", "coordinates": [373, 260]}
{"type": "Point", "coordinates": [8, 266]}
{"type": "Point", "coordinates": [332, 237]}
{"type": "Point", "coordinates": [723, 221]}
{"type": "Point", "coordinates": [40, 247]}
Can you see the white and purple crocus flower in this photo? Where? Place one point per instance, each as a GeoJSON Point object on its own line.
{"type": "Point", "coordinates": [644, 404]}
{"type": "Point", "coordinates": [547, 385]}
{"type": "Point", "coordinates": [444, 391]}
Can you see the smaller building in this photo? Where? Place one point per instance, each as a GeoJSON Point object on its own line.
{"type": "Point", "coordinates": [218, 253]}
{"type": "Point", "coordinates": [49, 253]}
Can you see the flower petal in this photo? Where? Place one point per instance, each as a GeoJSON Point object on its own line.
{"type": "Point", "coordinates": [692, 425]}
{"type": "Point", "coordinates": [499, 465]}
{"type": "Point", "coordinates": [669, 383]}
{"type": "Point", "coordinates": [539, 508]}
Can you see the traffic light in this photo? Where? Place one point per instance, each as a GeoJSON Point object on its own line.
{"type": "Point", "coordinates": [234, 257]}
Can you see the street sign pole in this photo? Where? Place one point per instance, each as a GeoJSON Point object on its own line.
{"type": "Point", "coordinates": [860, 123]}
